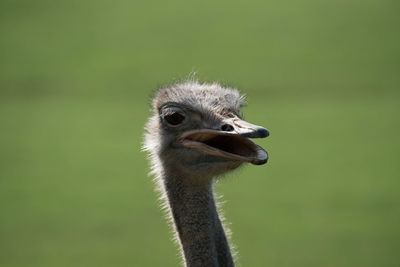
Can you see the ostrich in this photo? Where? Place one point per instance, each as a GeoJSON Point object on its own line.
{"type": "Point", "coordinates": [195, 135]}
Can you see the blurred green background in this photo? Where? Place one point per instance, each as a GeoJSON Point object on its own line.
{"type": "Point", "coordinates": [75, 82]}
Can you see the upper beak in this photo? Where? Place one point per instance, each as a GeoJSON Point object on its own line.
{"type": "Point", "coordinates": [244, 128]}
{"type": "Point", "coordinates": [232, 142]}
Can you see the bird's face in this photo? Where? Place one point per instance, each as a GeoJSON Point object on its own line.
{"type": "Point", "coordinates": [201, 137]}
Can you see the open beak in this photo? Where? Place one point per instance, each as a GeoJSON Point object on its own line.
{"type": "Point", "coordinates": [234, 144]}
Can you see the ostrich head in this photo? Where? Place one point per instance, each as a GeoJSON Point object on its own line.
{"type": "Point", "coordinates": [197, 131]}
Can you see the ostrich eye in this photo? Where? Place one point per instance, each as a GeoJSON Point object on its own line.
{"type": "Point", "coordinates": [174, 118]}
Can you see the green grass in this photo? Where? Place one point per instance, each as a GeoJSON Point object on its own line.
{"type": "Point", "coordinates": [75, 81]}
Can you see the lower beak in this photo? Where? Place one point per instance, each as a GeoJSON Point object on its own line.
{"type": "Point", "coordinates": [234, 145]}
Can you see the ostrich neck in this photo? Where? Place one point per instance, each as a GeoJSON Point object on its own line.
{"type": "Point", "coordinates": [199, 227]}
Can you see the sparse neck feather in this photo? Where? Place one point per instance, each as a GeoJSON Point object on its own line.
{"type": "Point", "coordinates": [200, 231]}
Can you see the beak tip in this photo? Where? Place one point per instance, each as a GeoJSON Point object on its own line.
{"type": "Point", "coordinates": [262, 132]}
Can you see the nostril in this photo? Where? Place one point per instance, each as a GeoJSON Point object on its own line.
{"type": "Point", "coordinates": [227, 128]}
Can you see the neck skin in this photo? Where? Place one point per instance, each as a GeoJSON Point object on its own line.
{"type": "Point", "coordinates": [196, 220]}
